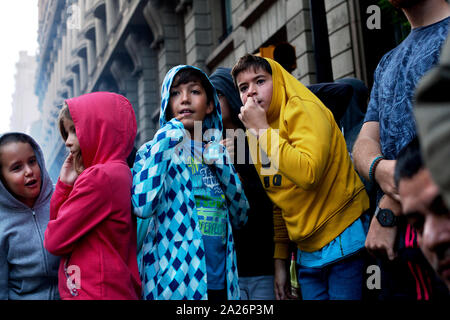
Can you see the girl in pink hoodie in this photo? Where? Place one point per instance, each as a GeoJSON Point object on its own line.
{"type": "Point", "coordinates": [91, 226]}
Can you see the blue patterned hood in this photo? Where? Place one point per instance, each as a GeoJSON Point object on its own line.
{"type": "Point", "coordinates": [212, 121]}
{"type": "Point", "coordinates": [171, 252]}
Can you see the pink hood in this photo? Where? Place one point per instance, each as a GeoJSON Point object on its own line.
{"type": "Point", "coordinates": [91, 225]}
{"type": "Point", "coordinates": [106, 126]}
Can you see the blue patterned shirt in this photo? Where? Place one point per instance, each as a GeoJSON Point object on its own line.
{"type": "Point", "coordinates": [211, 206]}
{"type": "Point", "coordinates": [395, 81]}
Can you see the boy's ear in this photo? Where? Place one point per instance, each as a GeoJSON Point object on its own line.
{"type": "Point", "coordinates": [210, 107]}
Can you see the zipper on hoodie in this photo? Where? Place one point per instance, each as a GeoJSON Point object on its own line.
{"type": "Point", "coordinates": [42, 242]}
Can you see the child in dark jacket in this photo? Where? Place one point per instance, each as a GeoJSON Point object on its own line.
{"type": "Point", "coordinates": [27, 270]}
{"type": "Point", "coordinates": [91, 225]}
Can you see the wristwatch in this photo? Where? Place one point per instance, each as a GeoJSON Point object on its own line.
{"type": "Point", "coordinates": [386, 217]}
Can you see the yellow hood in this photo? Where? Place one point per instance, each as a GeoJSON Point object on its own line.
{"type": "Point", "coordinates": [313, 182]}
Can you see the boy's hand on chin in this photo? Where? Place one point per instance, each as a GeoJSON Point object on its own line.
{"type": "Point", "coordinates": [253, 116]}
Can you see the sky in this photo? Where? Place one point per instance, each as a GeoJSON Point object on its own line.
{"type": "Point", "coordinates": [18, 32]}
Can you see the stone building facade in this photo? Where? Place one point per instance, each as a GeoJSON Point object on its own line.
{"type": "Point", "coordinates": [127, 46]}
{"type": "Point", "coordinates": [24, 101]}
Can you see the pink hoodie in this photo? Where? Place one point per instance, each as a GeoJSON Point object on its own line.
{"type": "Point", "coordinates": [91, 224]}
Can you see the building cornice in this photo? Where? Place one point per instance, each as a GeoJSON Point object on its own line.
{"type": "Point", "coordinates": [106, 61]}
{"type": "Point", "coordinates": [47, 34]}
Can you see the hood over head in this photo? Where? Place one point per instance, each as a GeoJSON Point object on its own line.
{"type": "Point", "coordinates": [105, 125]}
{"type": "Point", "coordinates": [211, 121]}
{"type": "Point", "coordinates": [285, 86]}
{"type": "Point", "coordinates": [7, 200]}
{"type": "Point", "coordinates": [223, 81]}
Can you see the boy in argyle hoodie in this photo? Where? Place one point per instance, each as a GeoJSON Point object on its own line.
{"type": "Point", "coordinates": [187, 193]}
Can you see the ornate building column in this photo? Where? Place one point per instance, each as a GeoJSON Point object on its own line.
{"type": "Point", "coordinates": [145, 70]}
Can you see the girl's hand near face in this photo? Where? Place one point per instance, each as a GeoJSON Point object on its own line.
{"type": "Point", "coordinates": [68, 174]}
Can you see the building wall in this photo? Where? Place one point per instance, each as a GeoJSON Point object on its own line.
{"type": "Point", "coordinates": [339, 32]}
{"type": "Point", "coordinates": [25, 102]}
{"type": "Point", "coordinates": [127, 46]}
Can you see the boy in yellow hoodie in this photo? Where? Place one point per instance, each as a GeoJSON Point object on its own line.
{"type": "Point", "coordinates": [309, 175]}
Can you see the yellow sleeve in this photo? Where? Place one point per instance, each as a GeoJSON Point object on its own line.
{"type": "Point", "coordinates": [303, 154]}
{"type": "Point", "coordinates": [281, 237]}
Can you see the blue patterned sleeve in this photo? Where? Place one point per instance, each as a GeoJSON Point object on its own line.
{"type": "Point", "coordinates": [373, 108]}
{"type": "Point", "coordinates": [232, 188]}
{"type": "Point", "coordinates": [150, 168]}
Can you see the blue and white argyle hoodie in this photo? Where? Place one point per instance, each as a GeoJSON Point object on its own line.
{"type": "Point", "coordinates": [172, 260]}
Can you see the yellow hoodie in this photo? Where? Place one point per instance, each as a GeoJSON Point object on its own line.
{"type": "Point", "coordinates": [311, 176]}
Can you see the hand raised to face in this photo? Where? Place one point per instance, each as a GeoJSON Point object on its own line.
{"type": "Point", "coordinates": [253, 115]}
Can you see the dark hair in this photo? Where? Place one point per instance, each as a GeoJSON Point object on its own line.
{"type": "Point", "coordinates": [15, 137]}
{"type": "Point", "coordinates": [409, 161]}
{"type": "Point", "coordinates": [11, 138]}
{"type": "Point", "coordinates": [187, 75]}
{"type": "Point", "coordinates": [284, 54]}
{"type": "Point", "coordinates": [131, 157]}
{"type": "Point", "coordinates": [250, 61]}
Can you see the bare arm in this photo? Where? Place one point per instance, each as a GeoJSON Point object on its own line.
{"type": "Point", "coordinates": [281, 279]}
{"type": "Point", "coordinates": [281, 255]}
{"type": "Point", "coordinates": [367, 147]}
{"type": "Point", "coordinates": [380, 240]}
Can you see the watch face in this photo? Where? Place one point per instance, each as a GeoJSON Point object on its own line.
{"type": "Point", "coordinates": [386, 217]}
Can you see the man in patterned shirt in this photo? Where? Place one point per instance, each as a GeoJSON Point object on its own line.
{"type": "Point", "coordinates": [389, 126]}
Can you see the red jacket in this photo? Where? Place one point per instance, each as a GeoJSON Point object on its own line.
{"type": "Point", "coordinates": [91, 224]}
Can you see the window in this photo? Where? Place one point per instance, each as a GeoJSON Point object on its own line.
{"type": "Point", "coordinates": [227, 21]}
